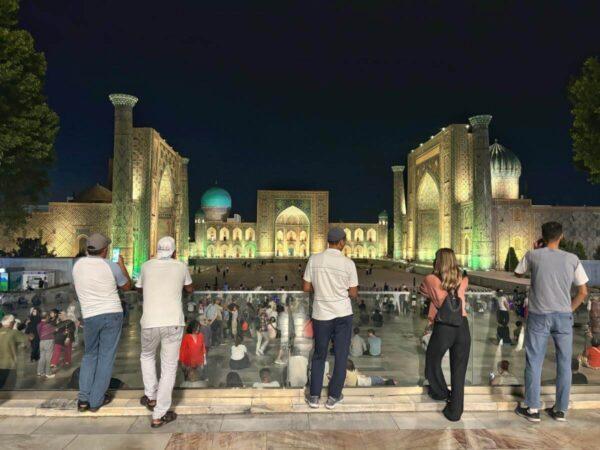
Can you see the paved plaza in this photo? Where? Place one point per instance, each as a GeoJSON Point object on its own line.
{"type": "Point", "coordinates": [402, 350]}
{"type": "Point", "coordinates": [476, 430]}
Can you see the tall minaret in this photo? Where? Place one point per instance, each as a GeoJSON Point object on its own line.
{"type": "Point", "coordinates": [122, 203]}
{"type": "Point", "coordinates": [399, 210]}
{"type": "Point", "coordinates": [184, 234]}
{"type": "Point", "coordinates": [482, 257]}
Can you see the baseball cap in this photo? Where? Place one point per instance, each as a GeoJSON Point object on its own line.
{"type": "Point", "coordinates": [165, 247]}
{"type": "Point", "coordinates": [97, 241]}
{"type": "Point", "coordinates": [335, 234]}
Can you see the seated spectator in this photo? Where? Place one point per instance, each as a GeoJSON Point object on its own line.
{"type": "Point", "coordinates": [355, 378]}
{"type": "Point", "coordinates": [265, 380]}
{"type": "Point", "coordinates": [233, 380]}
{"type": "Point", "coordinates": [239, 355]}
{"type": "Point", "coordinates": [374, 343]}
{"type": "Point", "coordinates": [592, 354]}
{"type": "Point", "coordinates": [576, 376]}
{"type": "Point", "coordinates": [358, 346]}
{"type": "Point", "coordinates": [192, 354]}
{"type": "Point", "coordinates": [377, 318]}
{"type": "Point", "coordinates": [502, 376]}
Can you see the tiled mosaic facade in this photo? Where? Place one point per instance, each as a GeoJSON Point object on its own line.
{"type": "Point", "coordinates": [290, 224]}
{"type": "Point", "coordinates": [463, 193]}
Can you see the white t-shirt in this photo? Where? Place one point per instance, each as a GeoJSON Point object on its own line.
{"type": "Point", "coordinates": [162, 281]}
{"type": "Point", "coordinates": [96, 281]}
{"type": "Point", "coordinates": [238, 352]}
{"type": "Point", "coordinates": [270, 384]}
{"type": "Point", "coordinates": [503, 303]}
{"type": "Point", "coordinates": [331, 275]}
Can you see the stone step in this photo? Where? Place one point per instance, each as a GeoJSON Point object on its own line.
{"type": "Point", "coordinates": [126, 403]}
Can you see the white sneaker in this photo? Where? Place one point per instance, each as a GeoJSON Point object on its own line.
{"type": "Point", "coordinates": [51, 375]}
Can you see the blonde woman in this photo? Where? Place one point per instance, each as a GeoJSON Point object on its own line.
{"type": "Point", "coordinates": [447, 283]}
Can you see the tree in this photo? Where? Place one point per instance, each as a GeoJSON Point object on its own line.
{"type": "Point", "coordinates": [31, 248]}
{"type": "Point", "coordinates": [28, 127]}
{"type": "Point", "coordinates": [573, 247]}
{"type": "Point", "coordinates": [584, 94]}
{"type": "Point", "coordinates": [510, 264]}
{"type": "Point", "coordinates": [596, 255]}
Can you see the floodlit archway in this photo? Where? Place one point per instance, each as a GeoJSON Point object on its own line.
{"type": "Point", "coordinates": [371, 235]}
{"type": "Point", "coordinates": [359, 235]}
{"type": "Point", "coordinates": [292, 233]}
{"type": "Point", "coordinates": [348, 234]}
{"type": "Point", "coordinates": [428, 221]}
{"type": "Point", "coordinates": [166, 206]}
{"type": "Point", "coordinates": [359, 251]}
{"type": "Point", "coordinates": [224, 234]}
{"type": "Point", "coordinates": [210, 251]}
{"type": "Point", "coordinates": [250, 234]}
{"type": "Point", "coordinates": [237, 234]}
{"type": "Point", "coordinates": [211, 234]}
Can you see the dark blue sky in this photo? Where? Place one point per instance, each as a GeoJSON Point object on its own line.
{"type": "Point", "coordinates": [315, 95]}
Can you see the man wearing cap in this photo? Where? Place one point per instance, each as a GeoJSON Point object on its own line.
{"type": "Point", "coordinates": [162, 281]}
{"type": "Point", "coordinates": [97, 281]}
{"type": "Point", "coordinates": [333, 279]}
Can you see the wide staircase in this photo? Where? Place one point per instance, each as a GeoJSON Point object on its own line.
{"type": "Point", "coordinates": [275, 401]}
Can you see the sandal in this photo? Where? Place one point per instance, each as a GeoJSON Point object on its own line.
{"type": "Point", "coordinates": [150, 404]}
{"type": "Point", "coordinates": [107, 399]}
{"type": "Point", "coordinates": [169, 416]}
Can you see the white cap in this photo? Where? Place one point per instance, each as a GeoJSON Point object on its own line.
{"type": "Point", "coordinates": [166, 247]}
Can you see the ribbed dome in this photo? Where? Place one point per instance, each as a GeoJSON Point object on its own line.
{"type": "Point", "coordinates": [383, 214]}
{"type": "Point", "coordinates": [94, 194]}
{"type": "Point", "coordinates": [216, 197]}
{"type": "Point", "coordinates": [503, 162]}
{"type": "Point", "coordinates": [199, 214]}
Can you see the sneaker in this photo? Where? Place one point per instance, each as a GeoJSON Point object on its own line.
{"type": "Point", "coordinates": [524, 412]}
{"type": "Point", "coordinates": [50, 375]}
{"type": "Point", "coordinates": [313, 401]}
{"type": "Point", "coordinates": [556, 415]}
{"type": "Point", "coordinates": [332, 401]}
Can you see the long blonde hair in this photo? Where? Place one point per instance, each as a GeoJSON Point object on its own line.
{"type": "Point", "coordinates": [445, 267]}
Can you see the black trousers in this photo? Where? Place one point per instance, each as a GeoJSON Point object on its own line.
{"type": "Point", "coordinates": [458, 341]}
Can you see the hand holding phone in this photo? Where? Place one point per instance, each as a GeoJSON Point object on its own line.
{"type": "Point", "coordinates": [116, 253]}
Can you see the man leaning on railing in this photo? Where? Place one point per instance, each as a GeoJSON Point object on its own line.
{"type": "Point", "coordinates": [551, 307]}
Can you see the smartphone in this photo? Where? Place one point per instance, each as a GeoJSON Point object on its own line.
{"type": "Point", "coordinates": [115, 254]}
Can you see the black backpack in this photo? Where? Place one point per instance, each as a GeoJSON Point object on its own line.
{"type": "Point", "coordinates": [450, 313]}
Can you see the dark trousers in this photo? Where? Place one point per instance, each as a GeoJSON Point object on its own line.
{"type": "Point", "coordinates": [7, 378]}
{"type": "Point", "coordinates": [458, 341]}
{"type": "Point", "coordinates": [217, 332]}
{"type": "Point", "coordinates": [338, 330]}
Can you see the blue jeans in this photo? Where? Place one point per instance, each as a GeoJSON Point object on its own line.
{"type": "Point", "coordinates": [539, 328]}
{"type": "Point", "coordinates": [338, 330]}
{"type": "Point", "coordinates": [101, 334]}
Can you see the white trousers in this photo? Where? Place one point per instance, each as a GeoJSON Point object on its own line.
{"type": "Point", "coordinates": [169, 339]}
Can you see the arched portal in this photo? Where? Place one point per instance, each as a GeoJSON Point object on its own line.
{"type": "Point", "coordinates": [292, 231]}
{"type": "Point", "coordinates": [166, 206]}
{"type": "Point", "coordinates": [428, 218]}
{"type": "Point", "coordinates": [359, 251]}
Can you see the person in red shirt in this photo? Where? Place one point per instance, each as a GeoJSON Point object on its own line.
{"type": "Point", "coordinates": [192, 354]}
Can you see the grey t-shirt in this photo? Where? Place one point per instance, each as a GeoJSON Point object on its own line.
{"type": "Point", "coordinates": [552, 274]}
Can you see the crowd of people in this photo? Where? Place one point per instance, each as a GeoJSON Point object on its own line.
{"type": "Point", "coordinates": [188, 334]}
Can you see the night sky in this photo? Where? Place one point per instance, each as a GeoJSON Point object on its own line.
{"type": "Point", "coordinates": [315, 95]}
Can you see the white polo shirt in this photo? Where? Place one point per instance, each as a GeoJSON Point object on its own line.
{"type": "Point", "coordinates": [96, 281]}
{"type": "Point", "coordinates": [162, 281]}
{"type": "Point", "coordinates": [331, 275]}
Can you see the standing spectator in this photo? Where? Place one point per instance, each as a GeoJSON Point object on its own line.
{"type": "Point", "coordinates": [31, 329]}
{"type": "Point", "coordinates": [446, 283]}
{"type": "Point", "coordinates": [358, 346]}
{"type": "Point", "coordinates": [63, 340]}
{"type": "Point", "coordinates": [503, 308]}
{"type": "Point", "coordinates": [46, 333]}
{"type": "Point", "coordinates": [96, 281]}
{"type": "Point", "coordinates": [333, 279]}
{"type": "Point", "coordinates": [207, 333]}
{"type": "Point", "coordinates": [553, 272]}
{"type": "Point", "coordinates": [9, 341]}
{"type": "Point", "coordinates": [161, 281]}
{"type": "Point", "coordinates": [262, 335]}
{"type": "Point", "coordinates": [192, 354]}
{"type": "Point", "coordinates": [214, 313]}
{"type": "Point", "coordinates": [374, 343]}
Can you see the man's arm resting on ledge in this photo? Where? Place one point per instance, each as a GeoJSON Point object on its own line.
{"type": "Point", "coordinates": [307, 286]}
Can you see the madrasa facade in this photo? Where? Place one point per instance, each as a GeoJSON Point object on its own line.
{"type": "Point", "coordinates": [463, 193]}
{"type": "Point", "coordinates": [460, 192]}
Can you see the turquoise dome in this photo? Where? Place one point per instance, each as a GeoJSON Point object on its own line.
{"type": "Point", "coordinates": [216, 197]}
{"type": "Point", "coordinates": [383, 214]}
{"type": "Point", "coordinates": [503, 161]}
